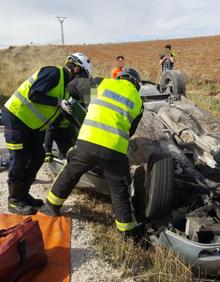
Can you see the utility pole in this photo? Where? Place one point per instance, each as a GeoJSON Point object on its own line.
{"type": "Point", "coordinates": [61, 20]}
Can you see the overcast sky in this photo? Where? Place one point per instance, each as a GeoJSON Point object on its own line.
{"type": "Point", "coordinates": [95, 21]}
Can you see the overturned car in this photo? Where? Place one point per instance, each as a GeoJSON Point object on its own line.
{"type": "Point", "coordinates": [175, 164]}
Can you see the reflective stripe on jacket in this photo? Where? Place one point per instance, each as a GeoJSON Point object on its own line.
{"type": "Point", "coordinates": [35, 115]}
{"type": "Point", "coordinates": [109, 117]}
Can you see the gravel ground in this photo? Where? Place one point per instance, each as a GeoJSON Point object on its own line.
{"type": "Point", "coordinates": [86, 262]}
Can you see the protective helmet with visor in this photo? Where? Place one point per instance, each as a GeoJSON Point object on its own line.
{"type": "Point", "coordinates": [81, 60]}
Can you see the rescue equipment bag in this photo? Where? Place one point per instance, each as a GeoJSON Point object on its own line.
{"type": "Point", "coordinates": [21, 250]}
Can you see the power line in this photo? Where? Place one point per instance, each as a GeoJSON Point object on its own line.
{"type": "Point", "coordinates": [61, 20]}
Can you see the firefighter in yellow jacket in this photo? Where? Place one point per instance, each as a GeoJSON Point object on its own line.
{"type": "Point", "coordinates": [33, 107]}
{"type": "Point", "coordinates": [103, 140]}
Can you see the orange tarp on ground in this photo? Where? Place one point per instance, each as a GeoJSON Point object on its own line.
{"type": "Point", "coordinates": [57, 243]}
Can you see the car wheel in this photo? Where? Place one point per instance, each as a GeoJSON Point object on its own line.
{"type": "Point", "coordinates": [154, 188]}
{"type": "Point", "coordinates": [175, 81]}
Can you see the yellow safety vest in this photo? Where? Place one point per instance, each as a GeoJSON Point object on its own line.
{"type": "Point", "coordinates": [35, 115]}
{"type": "Point", "coordinates": [110, 116]}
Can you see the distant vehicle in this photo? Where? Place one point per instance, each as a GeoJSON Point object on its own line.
{"type": "Point", "coordinates": [175, 164]}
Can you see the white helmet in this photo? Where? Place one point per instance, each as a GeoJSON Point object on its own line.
{"type": "Point", "coordinates": [80, 60]}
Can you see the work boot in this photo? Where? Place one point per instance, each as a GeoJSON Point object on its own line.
{"type": "Point", "coordinates": [31, 201]}
{"type": "Point", "coordinates": [49, 210]}
{"type": "Point", "coordinates": [36, 203]}
{"type": "Point", "coordinates": [16, 203]}
{"type": "Point", "coordinates": [135, 234]}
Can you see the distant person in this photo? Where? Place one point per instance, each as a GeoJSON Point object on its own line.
{"type": "Point", "coordinates": [168, 59]}
{"type": "Point", "coordinates": [120, 65]}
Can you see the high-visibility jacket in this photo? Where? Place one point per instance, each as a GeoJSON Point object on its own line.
{"type": "Point", "coordinates": [35, 115]}
{"type": "Point", "coordinates": [110, 116]}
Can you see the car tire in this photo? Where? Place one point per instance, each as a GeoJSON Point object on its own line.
{"type": "Point", "coordinates": [175, 80]}
{"type": "Point", "coordinates": [154, 188]}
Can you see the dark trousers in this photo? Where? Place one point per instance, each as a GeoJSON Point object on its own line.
{"type": "Point", "coordinates": [117, 175]}
{"type": "Point", "coordinates": [24, 162]}
{"type": "Point", "coordinates": [64, 138]}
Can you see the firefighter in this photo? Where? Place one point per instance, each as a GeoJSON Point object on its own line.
{"type": "Point", "coordinates": [103, 140]}
{"type": "Point", "coordinates": [28, 112]}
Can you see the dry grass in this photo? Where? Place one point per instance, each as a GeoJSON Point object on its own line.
{"type": "Point", "coordinates": [135, 262]}
{"type": "Point", "coordinates": [154, 264]}
{"type": "Point", "coordinates": [18, 63]}
{"type": "Point", "coordinates": [206, 101]}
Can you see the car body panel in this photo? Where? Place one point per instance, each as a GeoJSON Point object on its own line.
{"type": "Point", "coordinates": [204, 256]}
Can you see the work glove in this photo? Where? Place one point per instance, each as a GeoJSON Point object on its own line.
{"type": "Point", "coordinates": [65, 106]}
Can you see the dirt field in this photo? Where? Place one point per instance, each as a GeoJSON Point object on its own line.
{"type": "Point", "coordinates": [197, 58]}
